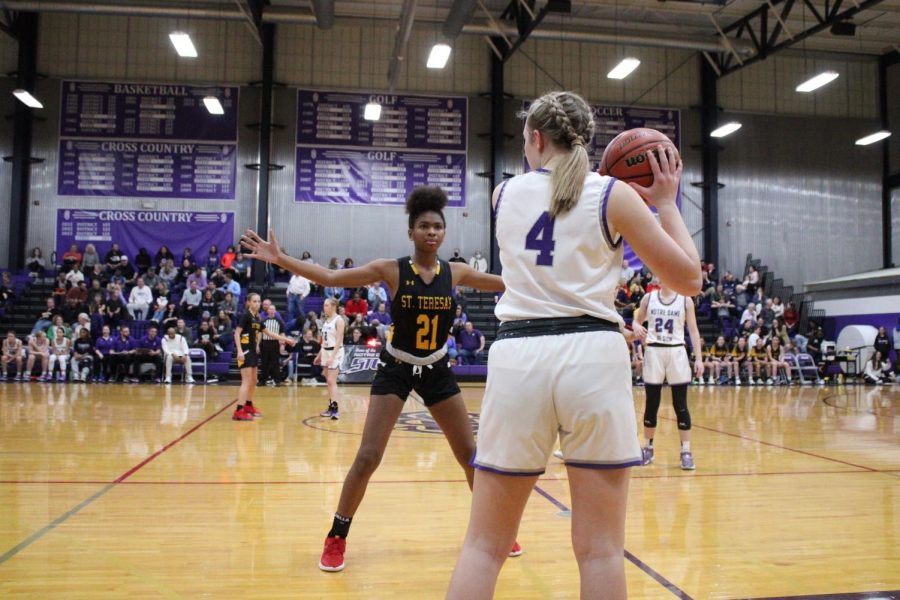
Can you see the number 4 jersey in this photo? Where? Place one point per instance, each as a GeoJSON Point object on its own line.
{"type": "Point", "coordinates": [564, 267]}
{"type": "Point", "coordinates": [665, 320]}
{"type": "Point", "coordinates": [422, 314]}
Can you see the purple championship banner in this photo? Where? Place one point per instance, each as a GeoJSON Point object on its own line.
{"type": "Point", "coordinates": [610, 121]}
{"type": "Point", "coordinates": [144, 140]}
{"type": "Point", "coordinates": [376, 176]}
{"type": "Point", "coordinates": [150, 229]}
{"type": "Point", "coordinates": [141, 111]}
{"type": "Point", "coordinates": [147, 169]}
{"type": "Point", "coordinates": [343, 158]}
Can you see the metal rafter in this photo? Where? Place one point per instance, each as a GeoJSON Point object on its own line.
{"type": "Point", "coordinates": [253, 11]}
{"type": "Point", "coordinates": [755, 27]}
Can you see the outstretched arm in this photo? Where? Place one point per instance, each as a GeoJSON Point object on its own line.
{"type": "Point", "coordinates": [463, 274]}
{"type": "Point", "coordinates": [269, 251]}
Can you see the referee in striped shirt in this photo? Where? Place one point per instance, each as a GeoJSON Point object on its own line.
{"type": "Point", "coordinates": [269, 349]}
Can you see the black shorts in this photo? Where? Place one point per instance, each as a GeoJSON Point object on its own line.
{"type": "Point", "coordinates": [436, 382]}
{"type": "Point", "coordinates": [251, 360]}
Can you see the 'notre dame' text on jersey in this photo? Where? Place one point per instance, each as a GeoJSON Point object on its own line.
{"type": "Point", "coordinates": [422, 314]}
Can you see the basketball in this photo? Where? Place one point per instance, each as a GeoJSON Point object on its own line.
{"type": "Point", "coordinates": [625, 158]}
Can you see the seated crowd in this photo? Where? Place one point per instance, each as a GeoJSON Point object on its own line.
{"type": "Point", "coordinates": [758, 340]}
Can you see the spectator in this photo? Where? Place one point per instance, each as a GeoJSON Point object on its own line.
{"type": "Point", "coordinates": [455, 258]}
{"type": "Point", "coordinates": [7, 293]}
{"type": "Point", "coordinates": [115, 308]}
{"type": "Point", "coordinates": [452, 351]}
{"type": "Point", "coordinates": [228, 258]}
{"type": "Point", "coordinates": [57, 325]}
{"type": "Point", "coordinates": [722, 303]}
{"type": "Point", "coordinates": [184, 331]}
{"type": "Point", "coordinates": [229, 305]}
{"type": "Point", "coordinates": [76, 301]}
{"type": "Point", "coordinates": [71, 258]}
{"type": "Point", "coordinates": [777, 306]}
{"type": "Point", "coordinates": [11, 352]}
{"type": "Point", "coordinates": [122, 356]}
{"type": "Point", "coordinates": [478, 262]}
{"type": "Point", "coordinates": [359, 322]}
{"type": "Point", "coordinates": [60, 348]}
{"type": "Point", "coordinates": [151, 279]}
{"type": "Point", "coordinates": [140, 300]}
{"type": "Point", "coordinates": [142, 261]}
{"type": "Point", "coordinates": [45, 316]}
{"type": "Point", "coordinates": [175, 349]}
{"type": "Point", "coordinates": [208, 304]}
{"type": "Point", "coordinates": [230, 285]}
{"type": "Point", "coordinates": [90, 258]}
{"type": "Point", "coordinates": [348, 263]}
{"type": "Point", "coordinates": [381, 315]}
{"type": "Point", "coordinates": [125, 270]}
{"type": "Point", "coordinates": [205, 340]}
{"type": "Point", "coordinates": [188, 255]}
{"type": "Point", "coordinates": [896, 336]}
{"type": "Point", "coordinates": [741, 298]}
{"type": "Point", "coordinates": [113, 258]}
{"type": "Point", "coordinates": [751, 280]}
{"type": "Point", "coordinates": [471, 345]}
{"type": "Point", "coordinates": [38, 351]}
{"type": "Point", "coordinates": [198, 277]}
{"type": "Point", "coordinates": [222, 330]}
{"type": "Point", "coordinates": [241, 267]}
{"type": "Point", "coordinates": [636, 290]}
{"type": "Point", "coordinates": [356, 338]}
{"type": "Point", "coordinates": [356, 305]}
{"type": "Point", "coordinates": [297, 291]}
{"type": "Point", "coordinates": [878, 369]}
{"type": "Point", "coordinates": [627, 271]}
{"type": "Point", "coordinates": [882, 343]}
{"type": "Point", "coordinates": [779, 331]}
{"type": "Point", "coordinates": [749, 314]}
{"type": "Point", "coordinates": [171, 316]}
{"type": "Point", "coordinates": [163, 256]}
{"type": "Point", "coordinates": [168, 273]}
{"type": "Point", "coordinates": [104, 346]}
{"type": "Point", "coordinates": [36, 263]}
{"type": "Point", "coordinates": [334, 292]}
{"type": "Point", "coordinates": [190, 301]}
{"type": "Point", "coordinates": [759, 298]}
{"type": "Point", "coordinates": [623, 302]}
{"type": "Point", "coordinates": [308, 348]}
{"type": "Point", "coordinates": [376, 295]}
{"type": "Point", "coordinates": [83, 321]}
{"type": "Point", "coordinates": [98, 274]}
{"type": "Point", "coordinates": [767, 313]}
{"type": "Point", "coordinates": [212, 259]}
{"type": "Point", "coordinates": [791, 318]}
{"type": "Point", "coordinates": [161, 302]}
{"type": "Point", "coordinates": [313, 323]}
{"type": "Point", "coordinates": [83, 356]}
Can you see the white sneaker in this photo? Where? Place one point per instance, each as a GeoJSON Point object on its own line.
{"type": "Point", "coordinates": [711, 380]}
{"type": "Point", "coordinates": [737, 381]}
{"type": "Point", "coordinates": [770, 381]}
{"type": "Point", "coordinates": [191, 380]}
{"type": "Point", "coordinates": [168, 381]}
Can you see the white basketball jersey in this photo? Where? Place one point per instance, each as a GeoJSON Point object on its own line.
{"type": "Point", "coordinates": [665, 322]}
{"type": "Point", "coordinates": [329, 333]}
{"type": "Point", "coordinates": [563, 267]}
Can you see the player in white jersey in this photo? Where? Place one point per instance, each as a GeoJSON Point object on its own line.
{"type": "Point", "coordinates": [666, 361]}
{"type": "Point", "coordinates": [560, 365]}
{"type": "Point", "coordinates": [332, 353]}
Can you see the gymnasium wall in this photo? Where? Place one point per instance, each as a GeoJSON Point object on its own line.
{"type": "Point", "coordinates": [355, 55]}
{"type": "Point", "coordinates": [895, 226]}
{"type": "Point", "coordinates": [893, 93]}
{"type": "Point", "coordinates": [8, 61]}
{"type": "Point", "coordinates": [800, 196]}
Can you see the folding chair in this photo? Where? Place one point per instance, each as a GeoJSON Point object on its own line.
{"type": "Point", "coordinates": [806, 368]}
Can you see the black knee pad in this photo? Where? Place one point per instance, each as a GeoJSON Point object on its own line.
{"type": "Point", "coordinates": [679, 401]}
{"type": "Point", "coordinates": [651, 407]}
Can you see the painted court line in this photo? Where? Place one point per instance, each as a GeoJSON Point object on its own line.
{"type": "Point", "coordinates": [103, 491]}
{"type": "Point", "coordinates": [678, 592]}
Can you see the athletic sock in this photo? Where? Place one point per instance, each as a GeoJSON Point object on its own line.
{"type": "Point", "coordinates": [650, 443]}
{"type": "Point", "coordinates": [686, 446]}
{"type": "Point", "coordinates": [340, 527]}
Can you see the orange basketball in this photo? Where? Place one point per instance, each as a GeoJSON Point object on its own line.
{"type": "Point", "coordinates": [625, 157]}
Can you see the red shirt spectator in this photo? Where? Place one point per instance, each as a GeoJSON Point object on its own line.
{"type": "Point", "coordinates": [72, 257]}
{"type": "Point", "coordinates": [791, 316]}
{"type": "Point", "coordinates": [228, 258]}
{"type": "Point", "coordinates": [356, 305]}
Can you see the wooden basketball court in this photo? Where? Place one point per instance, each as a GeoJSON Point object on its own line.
{"type": "Point", "coordinates": [153, 492]}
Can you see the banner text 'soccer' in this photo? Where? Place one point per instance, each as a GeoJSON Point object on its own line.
{"type": "Point", "coordinates": [136, 229]}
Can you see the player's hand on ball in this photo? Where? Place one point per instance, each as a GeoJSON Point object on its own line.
{"type": "Point", "coordinates": [666, 175]}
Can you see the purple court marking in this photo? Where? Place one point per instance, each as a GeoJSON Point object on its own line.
{"type": "Point", "coordinates": [102, 492]}
{"type": "Point", "coordinates": [749, 439]}
{"type": "Point", "coordinates": [678, 592]}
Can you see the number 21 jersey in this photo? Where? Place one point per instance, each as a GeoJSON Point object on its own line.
{"type": "Point", "coordinates": [421, 313]}
{"type": "Point", "coordinates": [563, 267]}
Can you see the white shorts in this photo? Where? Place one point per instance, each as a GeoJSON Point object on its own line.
{"type": "Point", "coordinates": [667, 364]}
{"type": "Point", "coordinates": [576, 386]}
{"type": "Point", "coordinates": [332, 359]}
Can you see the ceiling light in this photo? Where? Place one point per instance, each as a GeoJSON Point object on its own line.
{"type": "Point", "coordinates": [817, 81]}
{"type": "Point", "coordinates": [624, 68]}
{"type": "Point", "coordinates": [373, 111]}
{"type": "Point", "coordinates": [27, 99]}
{"type": "Point", "coordinates": [440, 54]}
{"type": "Point", "coordinates": [871, 139]}
{"type": "Point", "coordinates": [183, 44]}
{"type": "Point", "coordinates": [213, 105]}
{"type": "Point", "coordinates": [726, 129]}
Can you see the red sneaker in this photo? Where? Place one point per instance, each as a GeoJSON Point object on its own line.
{"type": "Point", "coordinates": [516, 550]}
{"type": "Point", "coordinates": [251, 410]}
{"type": "Point", "coordinates": [240, 414]}
{"type": "Point", "coordinates": [333, 555]}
